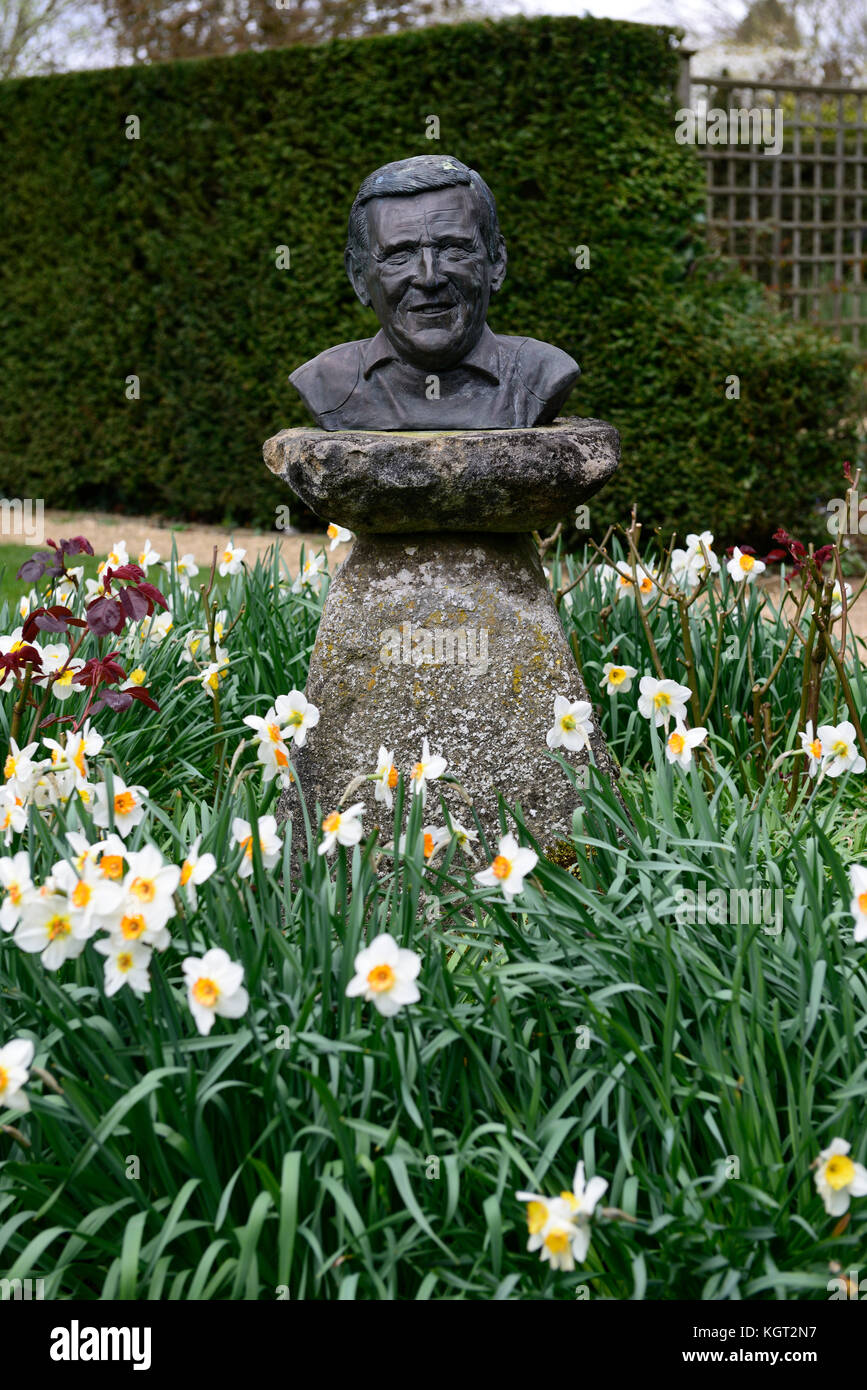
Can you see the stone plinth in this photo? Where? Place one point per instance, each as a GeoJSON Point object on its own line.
{"type": "Point", "coordinates": [452, 636]}
{"type": "Point", "coordinates": [455, 480]}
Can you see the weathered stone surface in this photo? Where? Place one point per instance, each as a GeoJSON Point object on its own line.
{"type": "Point", "coordinates": [479, 606]}
{"type": "Point", "coordinates": [475, 480]}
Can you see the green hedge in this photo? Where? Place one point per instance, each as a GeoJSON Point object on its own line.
{"type": "Point", "coordinates": [157, 257]}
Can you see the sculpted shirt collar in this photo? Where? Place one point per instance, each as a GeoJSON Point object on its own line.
{"type": "Point", "coordinates": [484, 357]}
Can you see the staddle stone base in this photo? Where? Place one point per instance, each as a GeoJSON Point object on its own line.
{"type": "Point", "coordinates": [454, 637]}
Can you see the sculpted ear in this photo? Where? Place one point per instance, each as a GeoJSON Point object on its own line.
{"type": "Point", "coordinates": [356, 276]}
{"type": "Point", "coordinates": [498, 270]}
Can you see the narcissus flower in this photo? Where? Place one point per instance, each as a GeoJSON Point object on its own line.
{"type": "Point", "coordinates": [338, 535]}
{"type": "Point", "coordinates": [662, 700]}
{"type": "Point", "coordinates": [270, 843]}
{"type": "Point", "coordinates": [15, 1060]}
{"type": "Point", "coordinates": [296, 715]}
{"type": "Point", "coordinates": [838, 1179]}
{"type": "Point", "coordinates": [74, 752]}
{"type": "Point", "coordinates": [342, 828]}
{"type": "Point", "coordinates": [427, 769]}
{"type": "Point", "coordinates": [858, 906]}
{"type": "Point", "coordinates": [560, 1226]}
{"type": "Point", "coordinates": [837, 596]}
{"type": "Point", "coordinates": [13, 814]}
{"type": "Point", "coordinates": [214, 988]}
{"type": "Point", "coordinates": [812, 746]}
{"type": "Point", "coordinates": [572, 724]}
{"type": "Point", "coordinates": [185, 569]}
{"type": "Point", "coordinates": [148, 556]}
{"type": "Point", "coordinates": [196, 869]}
{"type": "Point", "coordinates": [385, 975]}
{"type": "Point", "coordinates": [385, 777]}
{"type": "Point", "coordinates": [15, 879]}
{"type": "Point", "coordinates": [215, 671]}
{"type": "Point", "coordinates": [127, 804]}
{"type": "Point", "coordinates": [626, 585]}
{"type": "Point", "coordinates": [465, 838]}
{"type": "Point", "coordinates": [19, 769]}
{"type": "Point", "coordinates": [149, 887]}
{"type": "Point", "coordinates": [117, 556]}
{"type": "Point", "coordinates": [840, 749]}
{"type": "Point", "coordinates": [742, 567]}
{"type": "Point", "coordinates": [271, 749]}
{"type": "Point", "coordinates": [680, 743]}
{"type": "Point", "coordinates": [90, 896]}
{"type": "Point", "coordinates": [310, 573]}
{"type": "Point", "coordinates": [509, 869]}
{"type": "Point", "coordinates": [48, 928]}
{"type": "Point", "coordinates": [617, 678]}
{"type": "Point", "coordinates": [56, 659]}
{"type": "Point", "coordinates": [126, 963]}
{"type": "Point", "coordinates": [232, 560]}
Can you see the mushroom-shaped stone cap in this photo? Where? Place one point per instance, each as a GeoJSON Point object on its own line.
{"type": "Point", "coordinates": [451, 480]}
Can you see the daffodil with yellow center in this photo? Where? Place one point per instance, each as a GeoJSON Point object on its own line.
{"type": "Point", "coordinates": [132, 926]}
{"type": "Point", "coordinates": [124, 803]}
{"type": "Point", "coordinates": [206, 992]}
{"type": "Point", "coordinates": [747, 562]}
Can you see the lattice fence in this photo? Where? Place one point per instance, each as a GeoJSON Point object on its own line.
{"type": "Point", "coordinates": [794, 220]}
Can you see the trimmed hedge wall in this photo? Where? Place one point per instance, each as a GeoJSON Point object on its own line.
{"type": "Point", "coordinates": [156, 257]}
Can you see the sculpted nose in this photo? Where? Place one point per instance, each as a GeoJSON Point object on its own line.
{"type": "Point", "coordinates": [427, 268]}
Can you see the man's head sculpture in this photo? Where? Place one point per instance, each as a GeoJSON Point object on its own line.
{"type": "Point", "coordinates": [425, 251]}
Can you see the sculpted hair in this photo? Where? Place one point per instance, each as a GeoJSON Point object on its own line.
{"type": "Point", "coordinates": [407, 176]}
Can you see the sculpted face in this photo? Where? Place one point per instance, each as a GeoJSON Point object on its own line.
{"type": "Point", "coordinates": [428, 274]}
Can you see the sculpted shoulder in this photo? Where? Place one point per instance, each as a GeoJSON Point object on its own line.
{"type": "Point", "coordinates": [546, 370]}
{"type": "Point", "coordinates": [328, 380]}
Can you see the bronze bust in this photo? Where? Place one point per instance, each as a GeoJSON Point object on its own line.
{"type": "Point", "coordinates": [424, 249]}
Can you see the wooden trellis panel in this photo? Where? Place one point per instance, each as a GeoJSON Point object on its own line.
{"type": "Point", "coordinates": [795, 220]}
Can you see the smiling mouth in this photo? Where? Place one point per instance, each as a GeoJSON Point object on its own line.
{"type": "Point", "coordinates": [430, 311]}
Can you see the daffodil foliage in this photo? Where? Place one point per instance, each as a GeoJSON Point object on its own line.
{"type": "Point", "coordinates": [629, 1064]}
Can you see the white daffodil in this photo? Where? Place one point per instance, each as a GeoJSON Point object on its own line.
{"type": "Point", "coordinates": [136, 678]}
{"type": "Point", "coordinates": [110, 856]}
{"type": "Point", "coordinates": [296, 716]}
{"type": "Point", "coordinates": [149, 887]}
{"type": "Point", "coordinates": [15, 1060]}
{"type": "Point", "coordinates": [385, 975]}
{"type": "Point", "coordinates": [338, 535]}
{"type": "Point", "coordinates": [385, 777]}
{"type": "Point", "coordinates": [662, 700]}
{"type": "Point", "coordinates": [90, 896]}
{"type": "Point", "coordinates": [509, 869]}
{"type": "Point", "coordinates": [48, 927]}
{"type": "Point", "coordinates": [342, 828]}
{"type": "Point", "coordinates": [840, 749]}
{"type": "Point", "coordinates": [160, 625]}
{"type": "Point", "coordinates": [270, 843]}
{"type": "Point", "coordinates": [20, 770]}
{"type": "Point", "coordinates": [215, 987]}
{"type": "Point", "coordinates": [215, 671]}
{"type": "Point", "coordinates": [271, 749]}
{"type": "Point", "coordinates": [837, 596]}
{"type": "Point", "coordinates": [434, 837]}
{"type": "Point", "coordinates": [127, 804]}
{"type": "Point", "coordinates": [67, 588]}
{"type": "Point", "coordinates": [74, 752]}
{"type": "Point", "coordinates": [192, 643]}
{"type": "Point", "coordinates": [465, 838]}
{"type": "Point", "coordinates": [232, 561]}
{"type": "Point", "coordinates": [858, 906]}
{"type": "Point", "coordinates": [838, 1179]}
{"type": "Point", "coordinates": [117, 556]}
{"type": "Point", "coordinates": [626, 585]}
{"type": "Point", "coordinates": [27, 602]}
{"type": "Point", "coordinates": [15, 879]}
{"type": "Point", "coordinates": [617, 678]}
{"type": "Point", "coordinates": [310, 574]}
{"type": "Point", "coordinates": [13, 814]}
{"type": "Point", "coordinates": [56, 659]}
{"type": "Point", "coordinates": [812, 746]}
{"type": "Point", "coordinates": [126, 963]}
{"type": "Point", "coordinates": [427, 769]}
{"type": "Point", "coordinates": [743, 567]}
{"type": "Point", "coordinates": [572, 724]}
{"type": "Point", "coordinates": [196, 869]}
{"type": "Point", "coordinates": [559, 1227]}
{"type": "Point", "coordinates": [680, 743]}
{"type": "Point", "coordinates": [148, 556]}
